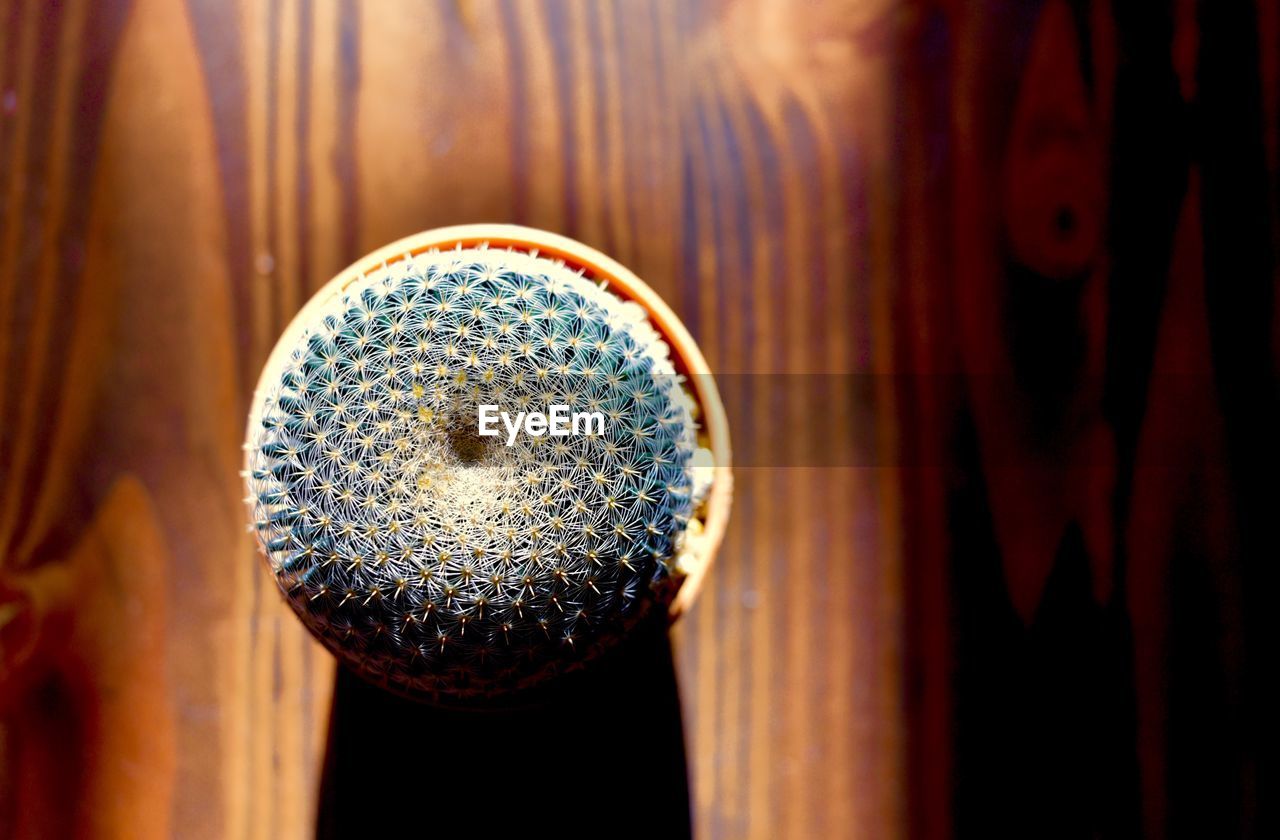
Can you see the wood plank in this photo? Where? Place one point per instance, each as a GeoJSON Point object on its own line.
{"type": "Point", "coordinates": [177, 178]}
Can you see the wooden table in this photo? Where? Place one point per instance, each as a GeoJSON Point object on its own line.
{"type": "Point", "coordinates": [990, 289]}
{"type": "Point", "coordinates": [177, 178]}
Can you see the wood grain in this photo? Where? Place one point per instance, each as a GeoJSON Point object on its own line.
{"type": "Point", "coordinates": [176, 178]}
{"type": "Point", "coordinates": [1090, 280]}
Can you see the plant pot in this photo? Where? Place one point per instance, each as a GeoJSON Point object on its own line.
{"type": "Point", "coordinates": [706, 530]}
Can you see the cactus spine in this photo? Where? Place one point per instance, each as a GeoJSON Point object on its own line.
{"type": "Point", "coordinates": [441, 563]}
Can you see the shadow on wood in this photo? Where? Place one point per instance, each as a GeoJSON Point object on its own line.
{"type": "Point", "coordinates": [598, 754]}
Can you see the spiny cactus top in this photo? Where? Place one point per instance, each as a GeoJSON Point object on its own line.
{"type": "Point", "coordinates": [440, 562]}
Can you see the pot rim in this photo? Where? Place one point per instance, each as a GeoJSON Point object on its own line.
{"type": "Point", "coordinates": [713, 432]}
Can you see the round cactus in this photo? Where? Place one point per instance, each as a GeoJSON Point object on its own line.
{"type": "Point", "coordinates": [441, 562]}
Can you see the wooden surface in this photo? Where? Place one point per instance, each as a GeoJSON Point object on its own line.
{"type": "Point", "coordinates": [175, 178]}
{"type": "Point", "coordinates": [1016, 588]}
{"type": "Point", "coordinates": [1090, 279]}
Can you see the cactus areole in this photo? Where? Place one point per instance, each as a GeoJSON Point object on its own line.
{"type": "Point", "coordinates": [476, 458]}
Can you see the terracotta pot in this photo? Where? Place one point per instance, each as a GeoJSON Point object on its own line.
{"type": "Point", "coordinates": [707, 533]}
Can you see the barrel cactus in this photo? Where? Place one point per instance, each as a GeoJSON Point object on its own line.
{"type": "Point", "coordinates": [440, 562]}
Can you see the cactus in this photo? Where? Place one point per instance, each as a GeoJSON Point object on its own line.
{"type": "Point", "coordinates": [442, 564]}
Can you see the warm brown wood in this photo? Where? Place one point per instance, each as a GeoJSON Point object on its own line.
{"type": "Point", "coordinates": [979, 198]}
{"type": "Point", "coordinates": [1090, 279]}
{"type": "Point", "coordinates": [177, 178]}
